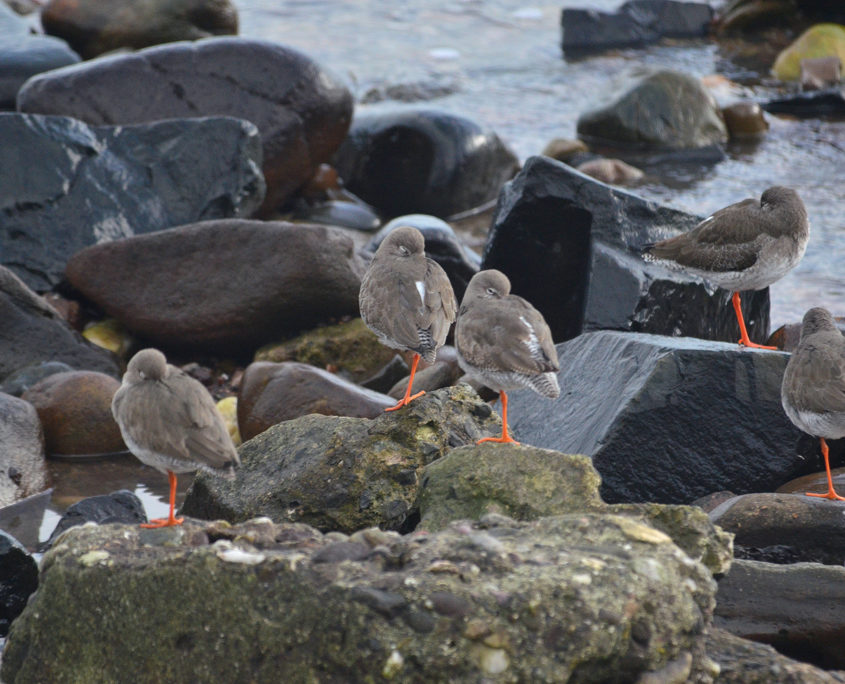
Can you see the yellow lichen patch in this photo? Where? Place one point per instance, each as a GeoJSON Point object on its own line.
{"type": "Point", "coordinates": [228, 408]}
{"type": "Point", "coordinates": [639, 532]}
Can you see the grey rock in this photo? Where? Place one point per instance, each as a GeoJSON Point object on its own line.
{"type": "Point", "coordinates": [570, 245]}
{"type": "Point", "coordinates": [33, 332]}
{"type": "Point", "coordinates": [795, 608]}
{"type": "Point", "coordinates": [121, 506]}
{"type": "Point", "coordinates": [666, 419]}
{"type": "Point", "coordinates": [339, 473]}
{"type": "Point", "coordinates": [78, 185]}
{"type": "Point", "coordinates": [23, 519]}
{"type": "Point", "coordinates": [570, 598]}
{"type": "Point", "coordinates": [23, 471]}
{"type": "Point", "coordinates": [21, 380]}
{"type": "Point", "coordinates": [388, 375]}
{"type": "Point", "coordinates": [423, 161]}
{"type": "Point", "coordinates": [18, 579]}
{"type": "Point", "coordinates": [226, 286]}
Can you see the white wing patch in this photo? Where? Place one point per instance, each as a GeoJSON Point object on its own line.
{"type": "Point", "coordinates": [533, 342]}
{"type": "Point", "coordinates": [421, 289]}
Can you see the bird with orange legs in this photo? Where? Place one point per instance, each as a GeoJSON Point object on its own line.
{"type": "Point", "coordinates": [406, 299]}
{"type": "Point", "coordinates": [504, 343]}
{"type": "Point", "coordinates": [813, 389]}
{"type": "Point", "coordinates": [745, 246]}
{"type": "Point", "coordinates": [169, 422]}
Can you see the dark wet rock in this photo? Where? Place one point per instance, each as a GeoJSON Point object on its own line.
{"type": "Point", "coordinates": [121, 506]}
{"type": "Point", "coordinates": [18, 579]}
{"type": "Point", "coordinates": [78, 185]}
{"type": "Point", "coordinates": [21, 380]}
{"type": "Point", "coordinates": [441, 244]}
{"type": "Point", "coordinates": [666, 419]}
{"type": "Point", "coordinates": [388, 375]}
{"type": "Point", "coordinates": [22, 468]}
{"type": "Point", "coordinates": [666, 110]}
{"type": "Point", "coordinates": [444, 372]}
{"type": "Point", "coordinates": [795, 608]}
{"type": "Point", "coordinates": [223, 286]}
{"type": "Point", "coordinates": [302, 112]}
{"type": "Point", "coordinates": [24, 54]}
{"type": "Point", "coordinates": [745, 120]}
{"type": "Point", "coordinates": [357, 215]}
{"type": "Point", "coordinates": [93, 27]}
{"type": "Point", "coordinates": [635, 23]}
{"type": "Point", "coordinates": [821, 40]}
{"type": "Point", "coordinates": [273, 392]}
{"type": "Point", "coordinates": [613, 171]}
{"type": "Point", "coordinates": [33, 333]}
{"type": "Point", "coordinates": [570, 244]}
{"type": "Point", "coordinates": [521, 482]}
{"type": "Point", "coordinates": [75, 412]}
{"type": "Point", "coordinates": [339, 473]}
{"type": "Point", "coordinates": [423, 161]}
{"type": "Point", "coordinates": [742, 661]}
{"type": "Point", "coordinates": [784, 528]}
{"type": "Point", "coordinates": [350, 349]}
{"type": "Point", "coordinates": [625, 603]}
{"type": "Point", "coordinates": [830, 102]}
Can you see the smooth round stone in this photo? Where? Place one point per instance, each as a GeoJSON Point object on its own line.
{"type": "Point", "coordinates": [612, 171]}
{"type": "Point", "coordinates": [109, 334]}
{"type": "Point", "coordinates": [443, 372]}
{"type": "Point", "coordinates": [357, 215]}
{"type": "Point", "coordinates": [564, 149]}
{"type": "Point", "coordinates": [228, 408]}
{"type": "Point", "coordinates": [25, 55]}
{"type": "Point", "coordinates": [75, 411]}
{"type": "Point", "coordinates": [821, 40]}
{"type": "Point", "coordinates": [745, 120]}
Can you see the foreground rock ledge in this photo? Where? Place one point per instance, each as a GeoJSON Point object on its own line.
{"type": "Point", "coordinates": [580, 598]}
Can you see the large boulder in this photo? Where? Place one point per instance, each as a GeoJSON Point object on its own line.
{"type": "Point", "coordinates": [34, 332]}
{"type": "Point", "coordinates": [302, 112]}
{"type": "Point", "coordinates": [22, 468]}
{"type": "Point", "coordinates": [339, 473]}
{"type": "Point", "coordinates": [223, 286]}
{"type": "Point", "coordinates": [581, 597]}
{"type": "Point", "coordinates": [666, 110]}
{"type": "Point", "coordinates": [666, 419]}
{"type": "Point", "coordinates": [77, 185]}
{"type": "Point", "coordinates": [821, 40]}
{"type": "Point", "coordinates": [423, 161]}
{"type": "Point", "coordinates": [570, 244]}
{"type": "Point", "coordinates": [635, 23]}
{"type": "Point", "coordinates": [93, 27]}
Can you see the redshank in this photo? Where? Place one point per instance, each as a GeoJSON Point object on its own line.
{"type": "Point", "coordinates": [406, 299]}
{"type": "Point", "coordinates": [745, 246]}
{"type": "Point", "coordinates": [813, 389]}
{"type": "Point", "coordinates": [169, 421]}
{"type": "Point", "coordinates": [504, 343]}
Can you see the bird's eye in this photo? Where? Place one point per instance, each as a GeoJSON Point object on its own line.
{"type": "Point", "coordinates": [491, 291]}
{"type": "Point", "coordinates": [404, 251]}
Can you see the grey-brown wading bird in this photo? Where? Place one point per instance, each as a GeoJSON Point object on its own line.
{"type": "Point", "coordinates": [169, 421]}
{"type": "Point", "coordinates": [745, 246]}
{"type": "Point", "coordinates": [813, 389]}
{"type": "Point", "coordinates": [406, 299]}
{"type": "Point", "coordinates": [504, 343]}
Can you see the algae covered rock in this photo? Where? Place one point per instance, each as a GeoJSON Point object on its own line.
{"type": "Point", "coordinates": [574, 598]}
{"type": "Point", "coordinates": [343, 473]}
{"type": "Point", "coordinates": [821, 40]}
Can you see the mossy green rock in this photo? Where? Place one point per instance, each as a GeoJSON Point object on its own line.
{"type": "Point", "coordinates": [821, 40]}
{"type": "Point", "coordinates": [573, 598]}
{"type": "Point", "coordinates": [350, 347]}
{"type": "Point", "coordinates": [522, 482]}
{"type": "Point", "coordinates": [342, 473]}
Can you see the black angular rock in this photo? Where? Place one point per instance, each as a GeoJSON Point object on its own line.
{"type": "Point", "coordinates": [77, 185]}
{"type": "Point", "coordinates": [570, 245]}
{"type": "Point", "coordinates": [635, 23]}
{"type": "Point", "coordinates": [423, 161]}
{"type": "Point", "coordinates": [666, 419]}
{"type": "Point", "coordinates": [121, 506]}
{"type": "Point", "coordinates": [18, 579]}
{"type": "Point", "coordinates": [830, 102]}
{"type": "Point", "coordinates": [33, 332]}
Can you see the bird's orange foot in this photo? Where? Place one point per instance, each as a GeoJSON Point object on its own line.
{"type": "Point", "coordinates": [831, 494]}
{"type": "Point", "coordinates": [405, 401]}
{"type": "Point", "coordinates": [155, 523]}
{"type": "Point", "coordinates": [754, 345]}
{"type": "Point", "coordinates": [504, 439]}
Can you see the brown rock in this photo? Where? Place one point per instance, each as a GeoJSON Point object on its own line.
{"type": "Point", "coordinates": [563, 149]}
{"type": "Point", "coordinates": [443, 372]}
{"type": "Point", "coordinates": [273, 392]}
{"type": "Point", "coordinates": [225, 285]}
{"type": "Point", "coordinates": [75, 411]}
{"type": "Point", "coordinates": [745, 120]}
{"type": "Point", "coordinates": [93, 27]}
{"type": "Point", "coordinates": [613, 171]}
{"type": "Point", "coordinates": [302, 111]}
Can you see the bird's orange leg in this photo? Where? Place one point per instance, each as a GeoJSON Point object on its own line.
{"type": "Point", "coordinates": [744, 339]}
{"type": "Point", "coordinates": [505, 434]}
{"type": "Point", "coordinates": [831, 493]}
{"type": "Point", "coordinates": [170, 520]}
{"type": "Point", "coordinates": [404, 401]}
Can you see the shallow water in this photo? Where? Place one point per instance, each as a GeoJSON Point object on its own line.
{"type": "Point", "coordinates": [501, 65]}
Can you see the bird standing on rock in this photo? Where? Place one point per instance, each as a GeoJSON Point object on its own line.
{"type": "Point", "coordinates": [406, 299]}
{"type": "Point", "coordinates": [745, 246]}
{"type": "Point", "coordinates": [504, 343]}
{"type": "Point", "coordinates": [169, 421]}
{"type": "Point", "coordinates": [813, 389]}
